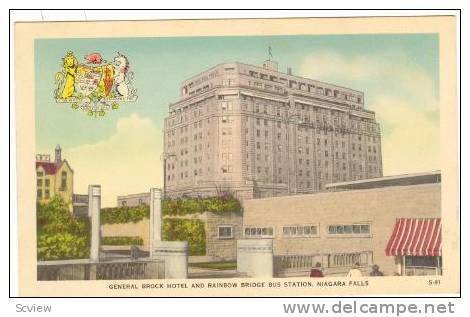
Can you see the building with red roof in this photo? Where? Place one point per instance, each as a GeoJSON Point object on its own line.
{"type": "Point", "coordinates": [53, 177]}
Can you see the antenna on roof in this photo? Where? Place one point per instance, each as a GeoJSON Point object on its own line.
{"type": "Point", "coordinates": [270, 53]}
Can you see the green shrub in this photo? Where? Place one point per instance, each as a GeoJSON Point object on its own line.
{"type": "Point", "coordinates": [186, 206]}
{"type": "Point", "coordinates": [124, 214]}
{"type": "Point", "coordinates": [60, 236]}
{"type": "Point", "coordinates": [191, 230]}
{"type": "Point", "coordinates": [122, 240]}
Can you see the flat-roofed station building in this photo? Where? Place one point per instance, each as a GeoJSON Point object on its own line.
{"type": "Point", "coordinates": [257, 132]}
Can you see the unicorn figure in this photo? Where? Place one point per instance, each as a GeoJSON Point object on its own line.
{"type": "Point", "coordinates": [123, 77]}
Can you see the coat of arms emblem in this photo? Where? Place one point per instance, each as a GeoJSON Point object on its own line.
{"type": "Point", "coordinates": [95, 86]}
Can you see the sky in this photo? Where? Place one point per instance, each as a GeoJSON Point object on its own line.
{"type": "Point", "coordinates": [398, 73]}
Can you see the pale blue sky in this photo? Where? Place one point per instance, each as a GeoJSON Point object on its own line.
{"type": "Point", "coordinates": [399, 74]}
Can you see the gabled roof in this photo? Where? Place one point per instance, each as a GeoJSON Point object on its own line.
{"type": "Point", "coordinates": [49, 167]}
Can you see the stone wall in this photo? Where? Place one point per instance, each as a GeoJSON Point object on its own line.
{"type": "Point", "coordinates": [222, 249]}
{"type": "Point", "coordinates": [217, 249]}
{"type": "Point", "coordinates": [130, 229]}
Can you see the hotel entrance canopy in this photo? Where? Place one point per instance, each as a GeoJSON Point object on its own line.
{"type": "Point", "coordinates": [415, 237]}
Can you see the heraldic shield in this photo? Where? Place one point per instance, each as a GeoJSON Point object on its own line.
{"type": "Point", "coordinates": [95, 86]}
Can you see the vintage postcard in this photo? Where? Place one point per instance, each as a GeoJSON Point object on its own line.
{"type": "Point", "coordinates": [246, 157]}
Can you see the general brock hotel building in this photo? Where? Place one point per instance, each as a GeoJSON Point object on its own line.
{"type": "Point", "coordinates": [258, 132]}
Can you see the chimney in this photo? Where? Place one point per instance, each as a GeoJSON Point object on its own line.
{"type": "Point", "coordinates": [58, 155]}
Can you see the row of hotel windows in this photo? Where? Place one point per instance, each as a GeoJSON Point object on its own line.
{"type": "Point", "coordinates": [299, 231]}
{"type": "Point", "coordinates": [354, 124]}
{"type": "Point", "coordinates": [306, 87]}
{"type": "Point", "coordinates": [229, 119]}
{"type": "Point", "coordinates": [336, 119]}
{"type": "Point", "coordinates": [308, 184]}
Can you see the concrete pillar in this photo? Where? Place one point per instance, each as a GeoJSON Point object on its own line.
{"type": "Point", "coordinates": [94, 207]}
{"type": "Point", "coordinates": [175, 255]}
{"type": "Point", "coordinates": [155, 217]}
{"type": "Point", "coordinates": [255, 257]}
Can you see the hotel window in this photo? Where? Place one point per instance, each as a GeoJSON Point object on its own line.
{"type": "Point", "coordinates": [39, 174]}
{"type": "Point", "coordinates": [47, 182]}
{"type": "Point", "coordinates": [47, 194]}
{"type": "Point", "coordinates": [227, 169]}
{"type": "Point", "coordinates": [39, 182]}
{"type": "Point", "coordinates": [39, 193]}
{"type": "Point", "coordinates": [227, 156]}
{"type": "Point", "coordinates": [225, 232]}
{"type": "Point", "coordinates": [303, 231]}
{"type": "Point", "coordinates": [259, 232]}
{"type": "Point", "coordinates": [361, 230]}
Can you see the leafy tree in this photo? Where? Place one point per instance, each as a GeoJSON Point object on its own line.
{"type": "Point", "coordinates": [185, 206]}
{"type": "Point", "coordinates": [122, 240]}
{"type": "Point", "coordinates": [60, 236]}
{"type": "Point", "coordinates": [124, 214]}
{"type": "Point", "coordinates": [191, 230]}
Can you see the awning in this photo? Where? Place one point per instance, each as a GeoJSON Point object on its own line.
{"type": "Point", "coordinates": [416, 237]}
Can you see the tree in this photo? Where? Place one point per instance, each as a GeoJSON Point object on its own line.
{"type": "Point", "coordinates": [60, 236]}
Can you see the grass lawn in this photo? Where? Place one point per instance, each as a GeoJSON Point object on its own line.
{"type": "Point", "coordinates": [230, 265]}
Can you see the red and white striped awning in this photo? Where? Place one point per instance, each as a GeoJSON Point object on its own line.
{"type": "Point", "coordinates": [416, 237]}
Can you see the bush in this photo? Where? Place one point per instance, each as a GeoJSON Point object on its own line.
{"type": "Point", "coordinates": [122, 240]}
{"type": "Point", "coordinates": [60, 236]}
{"type": "Point", "coordinates": [191, 230]}
{"type": "Point", "coordinates": [62, 246]}
{"type": "Point", "coordinates": [180, 207]}
{"type": "Point", "coordinates": [124, 214]}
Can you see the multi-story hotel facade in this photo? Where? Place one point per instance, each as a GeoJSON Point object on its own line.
{"type": "Point", "coordinates": [257, 132]}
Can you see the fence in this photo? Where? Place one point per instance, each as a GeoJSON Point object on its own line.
{"type": "Point", "coordinates": [115, 269]}
{"type": "Point", "coordinates": [332, 264]}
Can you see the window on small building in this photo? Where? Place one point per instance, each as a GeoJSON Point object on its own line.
{"type": "Point", "coordinates": [349, 229]}
{"type": "Point", "coordinates": [259, 232]}
{"type": "Point", "coordinates": [225, 232]}
{"type": "Point", "coordinates": [63, 180]}
{"type": "Point", "coordinates": [300, 231]}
